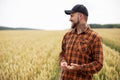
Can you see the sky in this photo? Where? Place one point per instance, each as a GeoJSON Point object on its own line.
{"type": "Point", "coordinates": [49, 14]}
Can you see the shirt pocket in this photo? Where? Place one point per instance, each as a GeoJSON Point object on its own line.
{"type": "Point", "coordinates": [83, 46]}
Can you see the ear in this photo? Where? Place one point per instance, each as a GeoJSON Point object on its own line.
{"type": "Point", "coordinates": [81, 15]}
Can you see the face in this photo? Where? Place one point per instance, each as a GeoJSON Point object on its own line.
{"type": "Point", "coordinates": [74, 18]}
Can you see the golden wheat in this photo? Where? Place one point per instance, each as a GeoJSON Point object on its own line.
{"type": "Point", "coordinates": [110, 37]}
{"type": "Point", "coordinates": [33, 55]}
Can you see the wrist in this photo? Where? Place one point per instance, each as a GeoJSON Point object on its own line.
{"type": "Point", "coordinates": [80, 67]}
{"type": "Point", "coordinates": [63, 60]}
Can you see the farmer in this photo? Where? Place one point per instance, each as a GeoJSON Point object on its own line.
{"type": "Point", "coordinates": [82, 53]}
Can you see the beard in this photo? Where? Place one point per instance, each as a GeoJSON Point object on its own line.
{"type": "Point", "coordinates": [74, 25]}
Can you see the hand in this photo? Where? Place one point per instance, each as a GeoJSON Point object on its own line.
{"type": "Point", "coordinates": [74, 67]}
{"type": "Point", "coordinates": [64, 65]}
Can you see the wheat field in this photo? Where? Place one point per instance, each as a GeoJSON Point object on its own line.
{"type": "Point", "coordinates": [111, 37]}
{"type": "Point", "coordinates": [33, 55]}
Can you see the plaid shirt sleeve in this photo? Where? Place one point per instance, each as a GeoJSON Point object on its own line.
{"type": "Point", "coordinates": [97, 53]}
{"type": "Point", "coordinates": [62, 53]}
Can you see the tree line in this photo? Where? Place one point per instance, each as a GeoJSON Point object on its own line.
{"type": "Point", "coordinates": [91, 25]}
{"type": "Point", "coordinates": [105, 25]}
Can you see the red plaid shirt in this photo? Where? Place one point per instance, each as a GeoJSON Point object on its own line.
{"type": "Point", "coordinates": [84, 49]}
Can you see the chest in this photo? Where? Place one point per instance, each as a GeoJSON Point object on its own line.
{"type": "Point", "coordinates": [82, 43]}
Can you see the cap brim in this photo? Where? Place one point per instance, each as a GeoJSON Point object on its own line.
{"type": "Point", "coordinates": [68, 12]}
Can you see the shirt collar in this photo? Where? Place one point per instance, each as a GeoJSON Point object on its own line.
{"type": "Point", "coordinates": [82, 30]}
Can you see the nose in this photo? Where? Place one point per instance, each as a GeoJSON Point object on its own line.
{"type": "Point", "coordinates": [70, 19]}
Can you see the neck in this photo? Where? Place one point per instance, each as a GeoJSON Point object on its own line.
{"type": "Point", "coordinates": [81, 27]}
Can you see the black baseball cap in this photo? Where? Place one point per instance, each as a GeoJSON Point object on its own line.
{"type": "Point", "coordinates": [77, 8]}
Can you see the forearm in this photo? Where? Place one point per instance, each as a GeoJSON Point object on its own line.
{"type": "Point", "coordinates": [62, 53]}
{"type": "Point", "coordinates": [61, 57]}
{"type": "Point", "coordinates": [91, 68]}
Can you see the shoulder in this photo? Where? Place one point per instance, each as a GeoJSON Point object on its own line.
{"type": "Point", "coordinates": [68, 33]}
{"type": "Point", "coordinates": [95, 34]}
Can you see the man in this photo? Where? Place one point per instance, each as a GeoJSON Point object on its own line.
{"type": "Point", "coordinates": [82, 53]}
